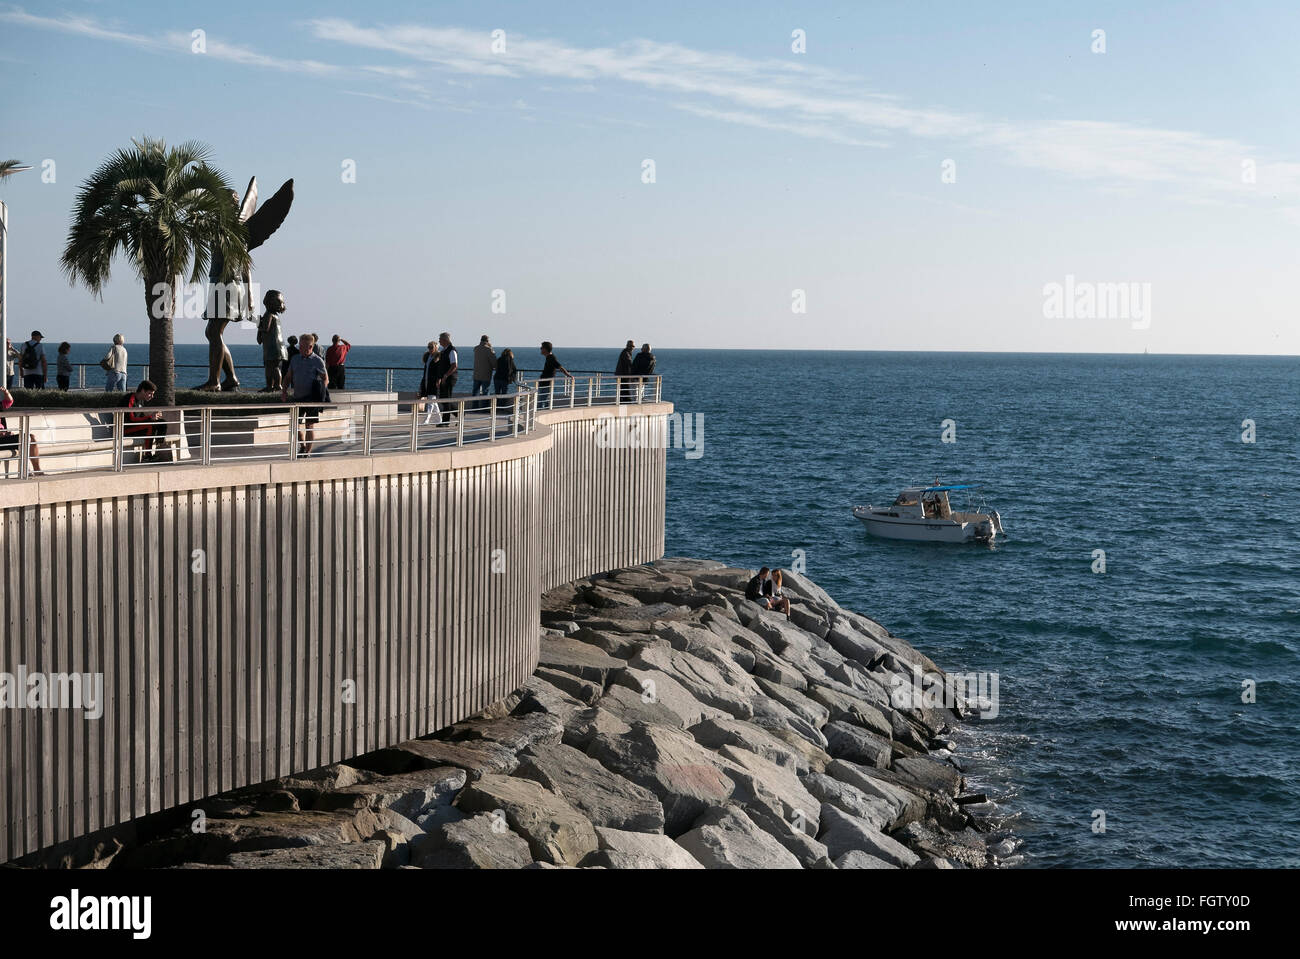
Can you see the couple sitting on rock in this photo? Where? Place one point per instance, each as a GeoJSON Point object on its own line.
{"type": "Point", "coordinates": [765, 589]}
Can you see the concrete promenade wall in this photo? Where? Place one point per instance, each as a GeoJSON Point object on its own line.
{"type": "Point", "coordinates": [253, 621]}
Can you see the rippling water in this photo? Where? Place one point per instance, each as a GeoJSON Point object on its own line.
{"type": "Point", "coordinates": [1119, 691]}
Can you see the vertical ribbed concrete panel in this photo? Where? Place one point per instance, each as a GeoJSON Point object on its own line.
{"type": "Point", "coordinates": [251, 628]}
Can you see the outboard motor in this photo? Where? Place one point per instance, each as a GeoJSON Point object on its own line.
{"type": "Point", "coordinates": [997, 522]}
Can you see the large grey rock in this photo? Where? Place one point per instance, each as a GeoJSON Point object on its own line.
{"type": "Point", "coordinates": [334, 855]}
{"type": "Point", "coordinates": [857, 859]}
{"type": "Point", "coordinates": [578, 689]}
{"type": "Point", "coordinates": [578, 659]}
{"type": "Point", "coordinates": [654, 687]}
{"type": "Point", "coordinates": [556, 832]}
{"type": "Point", "coordinates": [851, 799]}
{"type": "Point", "coordinates": [620, 849]}
{"type": "Point", "coordinates": [966, 847]}
{"type": "Point", "coordinates": [795, 833]}
{"type": "Point", "coordinates": [804, 588]}
{"type": "Point", "coordinates": [725, 838]}
{"type": "Point", "coordinates": [605, 798]}
{"type": "Point", "coordinates": [604, 598]}
{"type": "Point", "coordinates": [772, 715]}
{"type": "Point", "coordinates": [853, 645]}
{"type": "Point", "coordinates": [855, 744]}
{"type": "Point", "coordinates": [716, 733]}
{"type": "Point", "coordinates": [542, 696]}
{"type": "Point", "coordinates": [929, 774]}
{"type": "Point", "coordinates": [704, 681]}
{"type": "Point", "coordinates": [513, 732]}
{"type": "Point", "coordinates": [905, 806]}
{"type": "Point", "coordinates": [851, 707]}
{"type": "Point", "coordinates": [685, 776]}
{"type": "Point", "coordinates": [620, 643]}
{"type": "Point", "coordinates": [842, 833]}
{"type": "Point", "coordinates": [479, 842]}
{"type": "Point", "coordinates": [780, 633]}
{"type": "Point", "coordinates": [477, 758]}
{"type": "Point", "coordinates": [730, 577]}
{"type": "Point", "coordinates": [751, 770]}
{"type": "Point", "coordinates": [309, 827]}
{"type": "Point", "coordinates": [411, 794]}
{"type": "Point", "coordinates": [586, 725]}
{"type": "Point", "coordinates": [811, 711]}
{"type": "Point", "coordinates": [631, 707]}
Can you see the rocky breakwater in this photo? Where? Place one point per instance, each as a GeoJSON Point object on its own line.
{"type": "Point", "coordinates": [670, 724]}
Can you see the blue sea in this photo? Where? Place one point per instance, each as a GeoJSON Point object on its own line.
{"type": "Point", "coordinates": [1121, 692]}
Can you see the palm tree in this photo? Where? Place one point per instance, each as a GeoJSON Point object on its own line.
{"type": "Point", "coordinates": [167, 210]}
{"type": "Point", "coordinates": [9, 167]}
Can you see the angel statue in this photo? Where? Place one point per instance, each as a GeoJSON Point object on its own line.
{"type": "Point", "coordinates": [234, 300]}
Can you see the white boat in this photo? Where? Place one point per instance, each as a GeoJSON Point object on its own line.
{"type": "Point", "coordinates": [923, 513]}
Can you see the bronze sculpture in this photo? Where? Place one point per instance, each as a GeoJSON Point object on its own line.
{"type": "Point", "coordinates": [233, 301]}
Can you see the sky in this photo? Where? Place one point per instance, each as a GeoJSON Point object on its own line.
{"type": "Point", "coordinates": [895, 176]}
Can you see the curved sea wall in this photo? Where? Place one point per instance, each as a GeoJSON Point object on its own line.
{"type": "Point", "coordinates": [669, 724]}
{"type": "Point", "coordinates": [211, 627]}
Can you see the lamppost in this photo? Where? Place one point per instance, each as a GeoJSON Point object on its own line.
{"type": "Point", "coordinates": [7, 168]}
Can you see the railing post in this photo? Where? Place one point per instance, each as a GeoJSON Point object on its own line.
{"type": "Point", "coordinates": [592, 384]}
{"type": "Point", "coordinates": [205, 433]}
{"type": "Point", "coordinates": [118, 437]}
{"type": "Point", "coordinates": [81, 376]}
{"type": "Point", "coordinates": [659, 386]}
{"type": "Point", "coordinates": [492, 417]}
{"type": "Point", "coordinates": [365, 430]}
{"type": "Point", "coordinates": [514, 419]}
{"type": "Point", "coordinates": [24, 445]}
{"type": "Point", "coordinates": [460, 424]}
{"type": "Point", "coordinates": [415, 426]}
{"type": "Point", "coordinates": [293, 431]}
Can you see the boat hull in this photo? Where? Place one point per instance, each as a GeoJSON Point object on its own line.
{"type": "Point", "coordinates": [923, 531]}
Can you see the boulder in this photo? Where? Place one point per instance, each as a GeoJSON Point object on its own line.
{"type": "Point", "coordinates": [724, 837]}
{"type": "Point", "coordinates": [656, 688]}
{"type": "Point", "coordinates": [850, 707]}
{"type": "Point", "coordinates": [310, 827]}
{"type": "Point", "coordinates": [411, 794]}
{"type": "Point", "coordinates": [334, 855]}
{"type": "Point", "coordinates": [685, 776]}
{"type": "Point", "coordinates": [577, 689]}
{"type": "Point", "coordinates": [810, 710]}
{"type": "Point", "coordinates": [904, 806]}
{"type": "Point", "coordinates": [477, 758]}
{"type": "Point", "coordinates": [479, 842]}
{"type": "Point", "coordinates": [711, 686]}
{"type": "Point", "coordinates": [929, 774]}
{"type": "Point", "coordinates": [617, 643]}
{"type": "Point", "coordinates": [857, 859]}
{"type": "Point", "coordinates": [620, 849]}
{"type": "Point", "coordinates": [965, 848]}
{"type": "Point", "coordinates": [842, 833]}
{"type": "Point", "coordinates": [753, 771]}
{"type": "Point", "coordinates": [555, 831]}
{"type": "Point", "coordinates": [604, 598]}
{"type": "Point", "coordinates": [605, 798]}
{"type": "Point", "coordinates": [586, 725]}
{"type": "Point", "coordinates": [515, 733]}
{"type": "Point", "coordinates": [773, 716]}
{"type": "Point", "coordinates": [851, 799]}
{"type": "Point", "coordinates": [716, 733]}
{"type": "Point", "coordinates": [801, 586]}
{"type": "Point", "coordinates": [578, 659]}
{"type": "Point", "coordinates": [855, 744]}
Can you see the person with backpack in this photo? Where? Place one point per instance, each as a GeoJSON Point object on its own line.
{"type": "Point", "coordinates": [33, 364]}
{"type": "Point", "coordinates": [114, 365]}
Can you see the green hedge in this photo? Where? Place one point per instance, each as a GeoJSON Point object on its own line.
{"type": "Point", "coordinates": [85, 399]}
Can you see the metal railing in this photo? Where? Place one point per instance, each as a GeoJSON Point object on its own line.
{"type": "Point", "coordinates": [106, 440]}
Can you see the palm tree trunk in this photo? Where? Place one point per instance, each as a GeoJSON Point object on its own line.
{"type": "Point", "coordinates": [162, 358]}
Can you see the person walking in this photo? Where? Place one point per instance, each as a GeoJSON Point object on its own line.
{"type": "Point", "coordinates": [334, 357]}
{"type": "Point", "coordinates": [114, 365]}
{"type": "Point", "coordinates": [445, 370]}
{"type": "Point", "coordinates": [546, 382]}
{"type": "Point", "coordinates": [32, 363]}
{"type": "Point", "coordinates": [429, 386]}
{"type": "Point", "coordinates": [63, 373]}
{"type": "Point", "coordinates": [9, 439]}
{"type": "Point", "coordinates": [642, 366]}
{"type": "Point", "coordinates": [506, 372]}
{"type": "Point", "coordinates": [623, 369]}
{"type": "Point", "coordinates": [485, 361]}
{"type": "Point", "coordinates": [307, 378]}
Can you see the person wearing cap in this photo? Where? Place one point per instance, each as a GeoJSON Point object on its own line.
{"type": "Point", "coordinates": [33, 364]}
{"type": "Point", "coordinates": [622, 369]}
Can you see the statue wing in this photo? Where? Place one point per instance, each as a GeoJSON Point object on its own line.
{"type": "Point", "coordinates": [269, 216]}
{"type": "Point", "coordinates": [250, 201]}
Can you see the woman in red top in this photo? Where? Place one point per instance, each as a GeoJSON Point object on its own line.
{"type": "Point", "coordinates": [141, 423]}
{"type": "Point", "coordinates": [9, 439]}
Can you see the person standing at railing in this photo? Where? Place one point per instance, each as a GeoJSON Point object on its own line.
{"type": "Point", "coordinates": [290, 353]}
{"type": "Point", "coordinates": [506, 372]}
{"type": "Point", "coordinates": [334, 357]}
{"type": "Point", "coordinates": [445, 369]}
{"type": "Point", "coordinates": [11, 354]}
{"type": "Point", "coordinates": [623, 370]}
{"type": "Point", "coordinates": [307, 378]}
{"type": "Point", "coordinates": [138, 422]}
{"type": "Point", "coordinates": [643, 366]}
{"type": "Point", "coordinates": [485, 361]}
{"type": "Point", "coordinates": [63, 373]}
{"type": "Point", "coordinates": [32, 363]}
{"type": "Point", "coordinates": [271, 335]}
{"type": "Point", "coordinates": [546, 382]}
{"type": "Point", "coordinates": [114, 364]}
{"type": "Point", "coordinates": [9, 439]}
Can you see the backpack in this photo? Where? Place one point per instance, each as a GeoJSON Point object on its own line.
{"type": "Point", "coordinates": [30, 359]}
{"type": "Point", "coordinates": [106, 363]}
